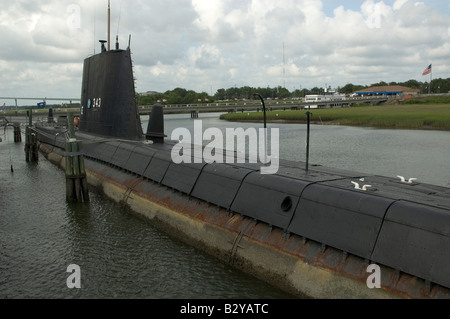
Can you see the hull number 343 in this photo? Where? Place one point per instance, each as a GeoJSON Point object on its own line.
{"type": "Point", "coordinates": [94, 103]}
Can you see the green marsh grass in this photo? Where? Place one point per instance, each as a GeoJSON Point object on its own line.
{"type": "Point", "coordinates": [407, 116]}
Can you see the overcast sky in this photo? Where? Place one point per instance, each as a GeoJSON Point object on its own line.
{"type": "Point", "coordinates": [205, 45]}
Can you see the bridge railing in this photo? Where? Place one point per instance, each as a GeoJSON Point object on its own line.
{"type": "Point", "coordinates": [267, 102]}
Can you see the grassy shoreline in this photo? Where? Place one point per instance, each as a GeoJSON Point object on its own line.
{"type": "Point", "coordinates": [407, 116]}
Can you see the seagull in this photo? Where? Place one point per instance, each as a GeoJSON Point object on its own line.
{"type": "Point", "coordinates": [364, 188]}
{"type": "Point", "coordinates": [403, 180]}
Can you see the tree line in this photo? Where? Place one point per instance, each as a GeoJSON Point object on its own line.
{"type": "Point", "coordinates": [184, 96]}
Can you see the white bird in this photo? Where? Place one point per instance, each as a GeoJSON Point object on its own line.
{"type": "Point", "coordinates": [403, 180]}
{"type": "Point", "coordinates": [364, 188]}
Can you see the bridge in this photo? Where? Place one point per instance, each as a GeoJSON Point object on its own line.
{"type": "Point", "coordinates": [43, 99]}
{"type": "Point", "coordinates": [232, 107]}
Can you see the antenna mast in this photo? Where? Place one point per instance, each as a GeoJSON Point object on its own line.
{"type": "Point", "coordinates": [109, 25]}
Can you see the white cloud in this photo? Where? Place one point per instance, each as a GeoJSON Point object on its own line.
{"type": "Point", "coordinates": [398, 4]}
{"type": "Point", "coordinates": [199, 44]}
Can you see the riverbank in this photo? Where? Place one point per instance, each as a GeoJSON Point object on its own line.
{"type": "Point", "coordinates": [407, 116]}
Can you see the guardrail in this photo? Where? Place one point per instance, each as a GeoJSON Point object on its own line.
{"type": "Point", "coordinates": [194, 109]}
{"type": "Point", "coordinates": [268, 102]}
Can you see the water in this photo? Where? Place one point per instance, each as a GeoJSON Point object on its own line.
{"type": "Point", "coordinates": [124, 256]}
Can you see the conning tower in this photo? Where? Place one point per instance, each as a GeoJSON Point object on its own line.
{"type": "Point", "coordinates": [108, 97]}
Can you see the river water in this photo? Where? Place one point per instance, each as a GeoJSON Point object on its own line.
{"type": "Point", "coordinates": [123, 256]}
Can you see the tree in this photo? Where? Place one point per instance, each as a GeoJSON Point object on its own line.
{"type": "Point", "coordinates": [283, 93]}
{"type": "Point", "coordinates": [183, 96]}
{"type": "Point", "coordinates": [220, 94]}
{"type": "Point", "coordinates": [347, 89]}
{"type": "Point", "coordinates": [381, 83]}
{"type": "Point", "coordinates": [413, 84]}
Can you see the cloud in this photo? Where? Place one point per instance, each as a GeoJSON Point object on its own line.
{"type": "Point", "coordinates": [206, 45]}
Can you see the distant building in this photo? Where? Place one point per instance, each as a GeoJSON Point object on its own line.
{"type": "Point", "coordinates": [388, 90]}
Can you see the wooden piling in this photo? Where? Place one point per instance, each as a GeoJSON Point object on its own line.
{"type": "Point", "coordinates": [70, 189]}
{"type": "Point", "coordinates": [76, 182]}
{"type": "Point", "coordinates": [84, 183]}
{"type": "Point", "coordinates": [34, 147]}
{"type": "Point", "coordinates": [17, 133]}
{"type": "Point", "coordinates": [27, 144]}
{"type": "Point", "coordinates": [31, 148]}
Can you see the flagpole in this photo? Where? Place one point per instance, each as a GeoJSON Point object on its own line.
{"type": "Point", "coordinates": [431, 78]}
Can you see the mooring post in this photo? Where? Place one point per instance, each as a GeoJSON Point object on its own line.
{"type": "Point", "coordinates": [31, 148]}
{"type": "Point", "coordinates": [76, 182]}
{"type": "Point", "coordinates": [84, 183]}
{"type": "Point", "coordinates": [50, 116]}
{"type": "Point", "coordinates": [27, 144]}
{"type": "Point", "coordinates": [34, 146]}
{"type": "Point", "coordinates": [70, 189]}
{"type": "Point", "coordinates": [30, 117]}
{"type": "Point", "coordinates": [17, 133]}
{"type": "Point", "coordinates": [308, 114]}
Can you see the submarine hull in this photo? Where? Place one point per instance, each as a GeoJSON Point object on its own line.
{"type": "Point", "coordinates": [321, 247]}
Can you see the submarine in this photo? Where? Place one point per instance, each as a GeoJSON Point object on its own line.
{"type": "Point", "coordinates": [309, 232]}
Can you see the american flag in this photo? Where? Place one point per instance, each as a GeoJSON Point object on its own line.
{"type": "Point", "coordinates": [427, 70]}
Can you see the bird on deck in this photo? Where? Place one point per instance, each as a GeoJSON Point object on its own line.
{"type": "Point", "coordinates": [364, 188]}
{"type": "Point", "coordinates": [409, 181]}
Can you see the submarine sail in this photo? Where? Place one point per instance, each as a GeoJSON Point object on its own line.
{"type": "Point", "coordinates": [108, 97]}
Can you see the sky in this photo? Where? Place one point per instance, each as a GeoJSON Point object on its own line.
{"type": "Point", "coordinates": [205, 45]}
